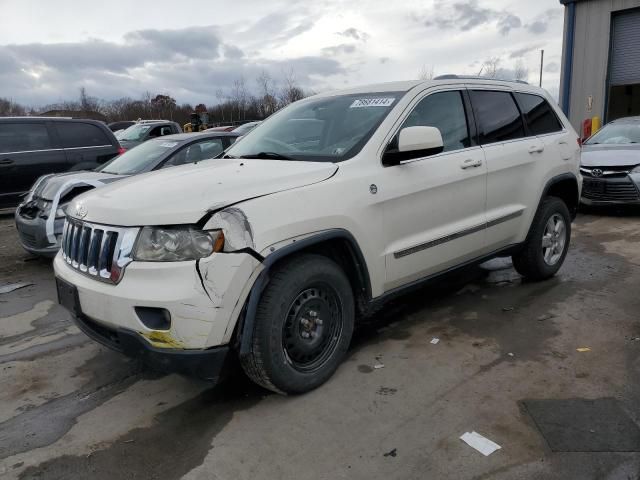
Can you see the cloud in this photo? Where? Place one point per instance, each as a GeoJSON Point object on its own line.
{"type": "Point", "coordinates": [354, 33]}
{"type": "Point", "coordinates": [508, 22]}
{"type": "Point", "coordinates": [343, 48]}
{"type": "Point", "coordinates": [541, 23]}
{"type": "Point", "coordinates": [552, 67]}
{"type": "Point", "coordinates": [190, 64]}
{"type": "Point", "coordinates": [466, 15]}
{"type": "Point", "coordinates": [521, 52]}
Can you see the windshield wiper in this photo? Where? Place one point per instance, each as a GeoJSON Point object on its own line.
{"type": "Point", "coordinates": [268, 155]}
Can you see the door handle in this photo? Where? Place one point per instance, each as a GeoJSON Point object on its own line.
{"type": "Point", "coordinates": [6, 161]}
{"type": "Point", "coordinates": [470, 163]}
{"type": "Point", "coordinates": [536, 149]}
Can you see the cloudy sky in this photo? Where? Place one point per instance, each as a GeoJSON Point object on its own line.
{"type": "Point", "coordinates": [195, 49]}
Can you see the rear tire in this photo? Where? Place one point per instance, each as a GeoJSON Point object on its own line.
{"type": "Point", "coordinates": [303, 326]}
{"type": "Point", "coordinates": [547, 244]}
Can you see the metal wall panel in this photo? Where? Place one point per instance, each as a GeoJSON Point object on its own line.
{"type": "Point", "coordinates": [591, 57]}
{"type": "Point", "coordinates": [625, 49]}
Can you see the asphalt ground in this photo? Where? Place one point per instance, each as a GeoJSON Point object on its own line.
{"type": "Point", "coordinates": [506, 366]}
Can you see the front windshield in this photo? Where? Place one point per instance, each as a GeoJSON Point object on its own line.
{"type": "Point", "coordinates": [329, 129]}
{"type": "Point", "coordinates": [616, 133]}
{"type": "Point", "coordinates": [134, 132]}
{"type": "Point", "coordinates": [138, 159]}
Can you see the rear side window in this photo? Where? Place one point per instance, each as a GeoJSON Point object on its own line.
{"type": "Point", "coordinates": [444, 111]}
{"type": "Point", "coordinates": [23, 137]}
{"type": "Point", "coordinates": [539, 115]}
{"type": "Point", "coordinates": [75, 134]}
{"type": "Point", "coordinates": [497, 115]}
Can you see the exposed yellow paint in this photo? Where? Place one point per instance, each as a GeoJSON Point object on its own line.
{"type": "Point", "coordinates": [162, 340]}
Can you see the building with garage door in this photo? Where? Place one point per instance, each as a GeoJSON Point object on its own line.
{"type": "Point", "coordinates": [600, 60]}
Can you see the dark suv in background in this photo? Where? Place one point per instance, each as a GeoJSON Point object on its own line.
{"type": "Point", "coordinates": [34, 146]}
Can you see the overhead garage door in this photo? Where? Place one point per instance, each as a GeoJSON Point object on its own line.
{"type": "Point", "coordinates": [625, 51]}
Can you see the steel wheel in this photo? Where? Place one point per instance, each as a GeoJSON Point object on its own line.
{"type": "Point", "coordinates": [312, 328]}
{"type": "Point", "coordinates": [554, 239]}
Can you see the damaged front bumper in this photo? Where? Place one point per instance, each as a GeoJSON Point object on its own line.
{"type": "Point", "coordinates": [209, 364]}
{"type": "Point", "coordinates": [32, 233]}
{"type": "Point", "coordinates": [201, 300]}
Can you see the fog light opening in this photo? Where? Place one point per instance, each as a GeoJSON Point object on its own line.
{"type": "Point", "coordinates": [154, 318]}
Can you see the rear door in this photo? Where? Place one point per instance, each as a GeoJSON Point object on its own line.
{"type": "Point", "coordinates": [27, 151]}
{"type": "Point", "coordinates": [514, 164]}
{"type": "Point", "coordinates": [86, 145]}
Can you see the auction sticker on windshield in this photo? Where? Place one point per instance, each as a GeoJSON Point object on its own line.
{"type": "Point", "coordinates": [372, 102]}
{"type": "Point", "coordinates": [168, 144]}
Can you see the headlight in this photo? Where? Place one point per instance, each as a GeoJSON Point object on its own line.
{"type": "Point", "coordinates": [176, 244]}
{"type": "Point", "coordinates": [636, 169]}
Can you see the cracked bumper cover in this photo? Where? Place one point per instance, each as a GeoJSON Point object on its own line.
{"type": "Point", "coordinates": [200, 319]}
{"type": "Point", "coordinates": [209, 364]}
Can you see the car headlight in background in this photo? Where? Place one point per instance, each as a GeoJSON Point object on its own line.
{"type": "Point", "coordinates": [636, 169]}
{"type": "Point", "coordinates": [176, 244]}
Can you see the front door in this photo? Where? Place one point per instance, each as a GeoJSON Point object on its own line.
{"type": "Point", "coordinates": [434, 207]}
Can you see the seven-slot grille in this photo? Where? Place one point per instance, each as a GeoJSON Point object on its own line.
{"type": "Point", "coordinates": [96, 250]}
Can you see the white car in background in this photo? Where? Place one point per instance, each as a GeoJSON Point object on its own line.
{"type": "Point", "coordinates": [327, 209]}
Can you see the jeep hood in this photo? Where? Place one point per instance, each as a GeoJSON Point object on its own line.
{"type": "Point", "coordinates": [184, 194]}
{"type": "Point", "coordinates": [52, 184]}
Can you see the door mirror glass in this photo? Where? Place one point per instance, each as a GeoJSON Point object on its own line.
{"type": "Point", "coordinates": [413, 142]}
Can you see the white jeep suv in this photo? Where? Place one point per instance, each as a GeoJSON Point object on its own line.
{"type": "Point", "coordinates": [331, 206]}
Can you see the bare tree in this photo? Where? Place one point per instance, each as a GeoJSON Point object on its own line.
{"type": "Point", "coordinates": [240, 96]}
{"type": "Point", "coordinates": [290, 92]}
{"type": "Point", "coordinates": [520, 71]}
{"type": "Point", "coordinates": [490, 68]}
{"type": "Point", "coordinates": [426, 72]}
{"type": "Point", "coordinates": [87, 103]}
{"type": "Point", "coordinates": [8, 108]}
{"type": "Point", "coordinates": [267, 103]}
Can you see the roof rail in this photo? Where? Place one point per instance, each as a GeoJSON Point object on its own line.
{"type": "Point", "coordinates": [453, 76]}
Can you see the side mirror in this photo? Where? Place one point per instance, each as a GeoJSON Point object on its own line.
{"type": "Point", "coordinates": [413, 142]}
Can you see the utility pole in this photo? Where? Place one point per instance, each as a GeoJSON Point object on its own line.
{"type": "Point", "coordinates": [541, 65]}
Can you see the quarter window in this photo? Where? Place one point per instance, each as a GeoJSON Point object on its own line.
{"type": "Point", "coordinates": [23, 137]}
{"type": "Point", "coordinates": [76, 134]}
{"type": "Point", "coordinates": [444, 111]}
{"type": "Point", "coordinates": [498, 116]}
{"type": "Point", "coordinates": [539, 115]}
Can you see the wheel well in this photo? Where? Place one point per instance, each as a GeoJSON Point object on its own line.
{"type": "Point", "coordinates": [567, 190]}
{"type": "Point", "coordinates": [349, 258]}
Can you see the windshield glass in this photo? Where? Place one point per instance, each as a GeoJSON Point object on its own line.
{"type": "Point", "coordinates": [330, 129]}
{"type": "Point", "coordinates": [617, 133]}
{"type": "Point", "coordinates": [134, 132]}
{"type": "Point", "coordinates": [138, 159]}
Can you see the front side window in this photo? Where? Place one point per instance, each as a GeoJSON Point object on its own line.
{"type": "Point", "coordinates": [23, 137]}
{"type": "Point", "coordinates": [195, 152]}
{"type": "Point", "coordinates": [139, 159]}
{"type": "Point", "coordinates": [73, 135]}
{"type": "Point", "coordinates": [445, 111]}
{"type": "Point", "coordinates": [135, 133]}
{"type": "Point", "coordinates": [617, 133]}
{"type": "Point", "coordinates": [328, 129]}
{"type": "Point", "coordinates": [498, 117]}
{"type": "Point", "coordinates": [538, 114]}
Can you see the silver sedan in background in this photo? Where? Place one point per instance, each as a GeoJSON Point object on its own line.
{"type": "Point", "coordinates": [610, 164]}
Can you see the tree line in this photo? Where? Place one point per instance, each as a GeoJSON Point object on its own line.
{"type": "Point", "coordinates": [243, 101]}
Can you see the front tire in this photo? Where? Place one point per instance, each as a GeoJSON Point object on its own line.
{"type": "Point", "coordinates": [547, 244]}
{"type": "Point", "coordinates": [303, 326]}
